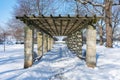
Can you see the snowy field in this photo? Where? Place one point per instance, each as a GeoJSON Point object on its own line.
{"type": "Point", "coordinates": [59, 64]}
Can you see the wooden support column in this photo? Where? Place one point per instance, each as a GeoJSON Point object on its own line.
{"type": "Point", "coordinates": [49, 43]}
{"type": "Point", "coordinates": [28, 47]}
{"type": "Point", "coordinates": [52, 41]}
{"type": "Point", "coordinates": [39, 44]}
{"type": "Point", "coordinates": [79, 43]}
{"type": "Point", "coordinates": [44, 43]}
{"type": "Point", "coordinates": [91, 47]}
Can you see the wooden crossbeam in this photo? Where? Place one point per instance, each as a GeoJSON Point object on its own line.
{"type": "Point", "coordinates": [68, 21]}
{"type": "Point", "coordinates": [58, 25]}
{"type": "Point", "coordinates": [45, 27]}
{"type": "Point", "coordinates": [41, 28]}
{"type": "Point", "coordinates": [57, 18]}
{"type": "Point", "coordinates": [66, 27]}
{"type": "Point", "coordinates": [61, 27]}
{"type": "Point", "coordinates": [72, 26]}
{"type": "Point", "coordinates": [48, 24]}
{"type": "Point", "coordinates": [78, 25]}
{"type": "Point", "coordinates": [54, 24]}
{"type": "Point", "coordinates": [50, 27]}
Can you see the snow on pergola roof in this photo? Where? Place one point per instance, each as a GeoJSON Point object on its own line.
{"type": "Point", "coordinates": [58, 25]}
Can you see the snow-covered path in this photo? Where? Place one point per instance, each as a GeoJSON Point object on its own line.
{"type": "Point", "coordinates": [59, 64]}
{"type": "Point", "coordinates": [52, 65]}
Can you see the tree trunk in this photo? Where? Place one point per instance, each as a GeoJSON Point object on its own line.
{"type": "Point", "coordinates": [108, 21]}
{"type": "Point", "coordinates": [101, 35]}
{"type": "Point", "coordinates": [91, 47]}
{"type": "Point", "coordinates": [28, 47]}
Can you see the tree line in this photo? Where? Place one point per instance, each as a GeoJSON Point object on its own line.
{"type": "Point", "coordinates": [107, 28]}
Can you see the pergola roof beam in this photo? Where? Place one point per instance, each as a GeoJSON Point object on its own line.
{"type": "Point", "coordinates": [72, 26]}
{"type": "Point", "coordinates": [58, 25]}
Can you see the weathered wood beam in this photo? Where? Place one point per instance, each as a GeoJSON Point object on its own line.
{"type": "Point", "coordinates": [50, 27]}
{"type": "Point", "coordinates": [54, 23]}
{"type": "Point", "coordinates": [34, 23]}
{"type": "Point", "coordinates": [40, 27]}
{"type": "Point", "coordinates": [48, 24]}
{"type": "Point", "coordinates": [28, 47]}
{"type": "Point", "coordinates": [73, 24]}
{"type": "Point", "coordinates": [68, 21]}
{"type": "Point", "coordinates": [57, 17]}
{"type": "Point", "coordinates": [79, 26]}
{"type": "Point", "coordinates": [66, 27]}
{"type": "Point", "coordinates": [45, 27]}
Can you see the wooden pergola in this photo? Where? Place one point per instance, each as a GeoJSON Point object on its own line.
{"type": "Point", "coordinates": [58, 25]}
{"type": "Point", "coordinates": [49, 26]}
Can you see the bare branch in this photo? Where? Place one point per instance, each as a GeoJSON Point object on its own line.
{"type": "Point", "coordinates": [100, 12]}
{"type": "Point", "coordinates": [115, 4]}
{"type": "Point", "coordinates": [92, 3]}
{"type": "Point", "coordinates": [92, 12]}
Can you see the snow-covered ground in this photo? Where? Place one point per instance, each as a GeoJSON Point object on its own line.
{"type": "Point", "coordinates": [59, 64]}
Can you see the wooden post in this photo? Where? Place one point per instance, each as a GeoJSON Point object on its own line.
{"type": "Point", "coordinates": [91, 47]}
{"type": "Point", "coordinates": [44, 43]}
{"type": "Point", "coordinates": [39, 43]}
{"type": "Point", "coordinates": [49, 43]}
{"type": "Point", "coordinates": [28, 47]}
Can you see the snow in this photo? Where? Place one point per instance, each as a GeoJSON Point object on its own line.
{"type": "Point", "coordinates": [59, 64]}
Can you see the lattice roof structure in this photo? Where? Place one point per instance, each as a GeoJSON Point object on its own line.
{"type": "Point", "coordinates": [58, 25]}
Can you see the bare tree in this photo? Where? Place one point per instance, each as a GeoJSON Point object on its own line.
{"type": "Point", "coordinates": [16, 29]}
{"type": "Point", "coordinates": [116, 18]}
{"type": "Point", "coordinates": [117, 33]}
{"type": "Point", "coordinates": [101, 24]}
{"type": "Point", "coordinates": [88, 10]}
{"type": "Point", "coordinates": [29, 7]}
{"type": "Point", "coordinates": [26, 7]}
{"type": "Point", "coordinates": [107, 6]}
